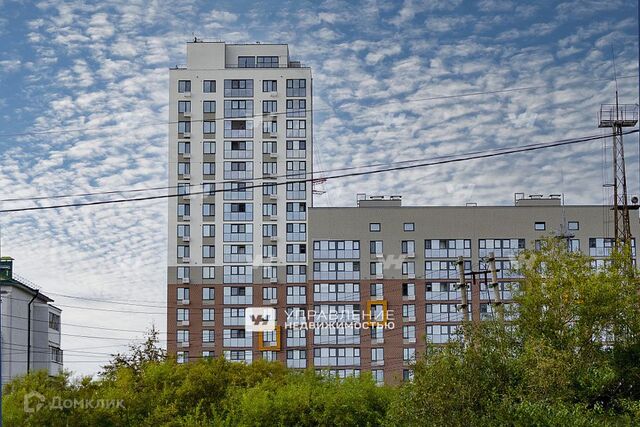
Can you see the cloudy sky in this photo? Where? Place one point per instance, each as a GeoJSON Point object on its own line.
{"type": "Point", "coordinates": [84, 92]}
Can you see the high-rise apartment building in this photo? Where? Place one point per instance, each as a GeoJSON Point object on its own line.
{"type": "Point", "coordinates": [240, 123]}
{"type": "Point", "coordinates": [380, 278]}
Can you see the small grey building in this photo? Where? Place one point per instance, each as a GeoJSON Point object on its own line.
{"type": "Point", "coordinates": [30, 333]}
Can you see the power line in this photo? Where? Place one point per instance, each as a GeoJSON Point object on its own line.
{"type": "Point", "coordinates": [404, 101]}
{"type": "Point", "coordinates": [495, 153]}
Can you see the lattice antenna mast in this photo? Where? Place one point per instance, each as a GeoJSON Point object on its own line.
{"type": "Point", "coordinates": [617, 116]}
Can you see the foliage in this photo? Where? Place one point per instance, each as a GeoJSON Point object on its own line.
{"type": "Point", "coordinates": [568, 355]}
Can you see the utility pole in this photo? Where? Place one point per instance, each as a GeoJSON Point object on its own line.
{"type": "Point", "coordinates": [463, 290]}
{"type": "Point", "coordinates": [496, 286]}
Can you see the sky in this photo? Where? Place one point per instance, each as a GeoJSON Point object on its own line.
{"type": "Point", "coordinates": [84, 105]}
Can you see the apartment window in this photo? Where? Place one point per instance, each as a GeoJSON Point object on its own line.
{"type": "Point", "coordinates": [296, 107]}
{"type": "Point", "coordinates": [208, 251]}
{"type": "Point", "coordinates": [184, 106]}
{"type": "Point", "coordinates": [184, 230]}
{"type": "Point", "coordinates": [573, 225]}
{"type": "Point", "coordinates": [184, 127]}
{"type": "Point", "coordinates": [54, 321]}
{"type": "Point", "coordinates": [238, 108]}
{"type": "Point", "coordinates": [209, 106]}
{"type": "Point", "coordinates": [573, 245]}
{"type": "Point", "coordinates": [238, 232]}
{"type": "Point", "coordinates": [182, 357]}
{"type": "Point", "coordinates": [208, 209]}
{"type": "Point", "coordinates": [269, 251]}
{"type": "Point", "coordinates": [208, 335]}
{"type": "Point", "coordinates": [375, 247]}
{"type": "Point", "coordinates": [409, 268]}
{"type": "Point", "coordinates": [182, 314]}
{"type": "Point", "coordinates": [269, 293]}
{"type": "Point", "coordinates": [296, 149]}
{"type": "Point", "coordinates": [296, 128]}
{"type": "Point", "coordinates": [269, 168]}
{"type": "Point", "coordinates": [208, 315]}
{"type": "Point", "coordinates": [408, 247]}
{"type": "Point", "coordinates": [377, 354]}
{"type": "Point", "coordinates": [269, 272]}
{"type": "Point", "coordinates": [184, 86]}
{"type": "Point", "coordinates": [184, 147]}
{"type": "Point", "coordinates": [209, 230]}
{"type": "Point", "coordinates": [208, 272]}
{"type": "Point", "coordinates": [375, 268]}
{"type": "Point", "coordinates": [183, 272]}
{"type": "Point", "coordinates": [377, 289]}
{"type": "Point", "coordinates": [269, 147]}
{"type": "Point", "coordinates": [208, 168]}
{"type": "Point", "coordinates": [296, 190]}
{"type": "Point", "coordinates": [208, 126]}
{"type": "Point", "coordinates": [238, 88]}
{"type": "Point", "coordinates": [183, 251]}
{"type": "Point", "coordinates": [409, 354]}
{"type": "Point", "coordinates": [182, 336]}
{"type": "Point", "coordinates": [268, 62]}
{"type": "Point", "coordinates": [269, 106]}
{"type": "Point", "coordinates": [209, 86]}
{"type": "Point", "coordinates": [269, 209]}
{"type": "Point", "coordinates": [184, 209]}
{"type": "Point", "coordinates": [270, 127]}
{"type": "Point", "coordinates": [207, 354]}
{"type": "Point", "coordinates": [246, 61]}
{"type": "Point", "coordinates": [540, 226]}
{"type": "Point", "coordinates": [269, 230]}
{"type": "Point", "coordinates": [269, 85]}
{"type": "Point", "coordinates": [296, 211]}
{"type": "Point", "coordinates": [296, 232]}
{"type": "Point", "coordinates": [56, 354]}
{"type": "Point", "coordinates": [184, 168]}
{"type": "Point", "coordinates": [375, 227]}
{"type": "Point", "coordinates": [408, 311]}
{"type": "Point", "coordinates": [208, 294]}
{"type": "Point", "coordinates": [183, 189]}
{"type": "Point", "coordinates": [238, 149]}
{"type": "Point", "coordinates": [209, 147]}
{"type": "Point", "coordinates": [296, 87]}
{"type": "Point", "coordinates": [408, 290]}
{"type": "Point", "coordinates": [409, 332]}
{"type": "Point", "coordinates": [183, 294]}
{"type": "Point", "coordinates": [409, 226]}
{"type": "Point", "coordinates": [296, 169]}
{"type": "Point", "coordinates": [238, 128]}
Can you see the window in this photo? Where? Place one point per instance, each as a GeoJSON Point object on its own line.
{"type": "Point", "coordinates": [238, 128]}
{"type": "Point", "coordinates": [208, 209]}
{"type": "Point", "coordinates": [184, 147]}
{"type": "Point", "coordinates": [269, 209]}
{"type": "Point", "coordinates": [246, 61]}
{"type": "Point", "coordinates": [209, 106]}
{"type": "Point", "coordinates": [208, 294]}
{"type": "Point", "coordinates": [408, 311]}
{"type": "Point", "coordinates": [296, 107]}
{"type": "Point", "coordinates": [409, 268]}
{"type": "Point", "coordinates": [184, 168]}
{"type": "Point", "coordinates": [269, 293]}
{"type": "Point", "coordinates": [374, 226]}
{"type": "Point", "coordinates": [573, 245]}
{"type": "Point", "coordinates": [183, 251]}
{"type": "Point", "coordinates": [182, 314]}
{"type": "Point", "coordinates": [184, 127]}
{"type": "Point", "coordinates": [184, 106]}
{"type": "Point", "coordinates": [54, 321]}
{"type": "Point", "coordinates": [269, 106]}
{"type": "Point", "coordinates": [377, 289]}
{"type": "Point", "coordinates": [56, 354]}
{"type": "Point", "coordinates": [209, 273]}
{"type": "Point", "coordinates": [375, 268]}
{"type": "Point", "coordinates": [182, 336]}
{"type": "Point", "coordinates": [409, 332]}
{"type": "Point", "coordinates": [375, 247]}
{"type": "Point", "coordinates": [408, 247]}
{"type": "Point", "coordinates": [270, 127]}
{"type": "Point", "coordinates": [296, 128]}
{"type": "Point", "coordinates": [182, 357]}
{"type": "Point", "coordinates": [268, 62]}
{"type": "Point", "coordinates": [238, 108]}
{"type": "Point", "coordinates": [209, 230]}
{"type": "Point", "coordinates": [573, 225]}
{"type": "Point", "coordinates": [183, 294]}
{"type": "Point", "coordinates": [184, 86]}
{"type": "Point", "coordinates": [183, 272]}
{"type": "Point", "coordinates": [209, 86]}
{"type": "Point", "coordinates": [408, 290]}
{"type": "Point", "coordinates": [208, 251]}
{"type": "Point", "coordinates": [184, 230]}
{"type": "Point", "coordinates": [409, 354]}
{"type": "Point", "coordinates": [269, 147]}
{"type": "Point", "coordinates": [209, 147]}
{"type": "Point", "coordinates": [540, 226]}
{"type": "Point", "coordinates": [208, 315]}
{"type": "Point", "coordinates": [184, 209]}
{"type": "Point", "coordinates": [208, 168]}
{"type": "Point", "coordinates": [296, 87]}
{"type": "Point", "coordinates": [208, 336]}
{"type": "Point", "coordinates": [296, 149]}
{"type": "Point", "coordinates": [208, 126]}
{"type": "Point", "coordinates": [234, 88]}
{"type": "Point", "coordinates": [409, 226]}
{"type": "Point", "coordinates": [377, 354]}
{"type": "Point", "coordinates": [269, 86]}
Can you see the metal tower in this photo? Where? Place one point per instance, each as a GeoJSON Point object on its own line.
{"type": "Point", "coordinates": [617, 116]}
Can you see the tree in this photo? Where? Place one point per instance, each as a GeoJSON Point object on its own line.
{"type": "Point", "coordinates": [139, 355]}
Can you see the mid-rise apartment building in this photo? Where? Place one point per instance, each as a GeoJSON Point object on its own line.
{"type": "Point", "coordinates": [30, 327]}
{"type": "Point", "coordinates": [382, 275]}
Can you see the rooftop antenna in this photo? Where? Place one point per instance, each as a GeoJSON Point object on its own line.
{"type": "Point", "coordinates": [617, 116]}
